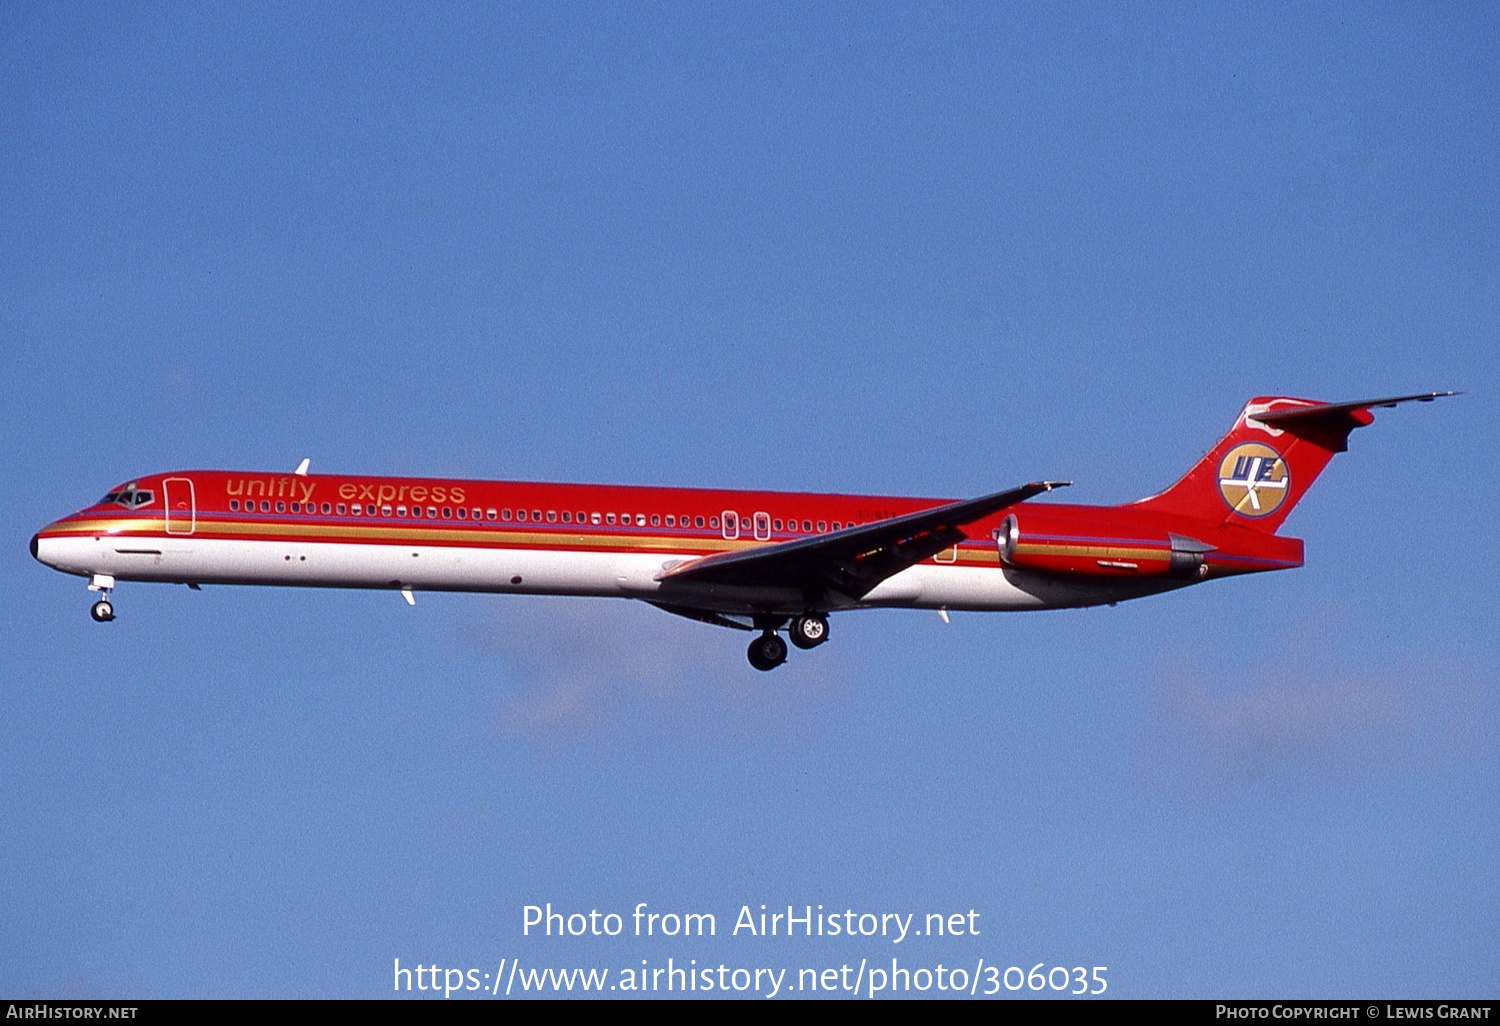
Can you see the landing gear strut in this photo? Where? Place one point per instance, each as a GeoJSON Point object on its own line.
{"type": "Point", "coordinates": [809, 631]}
{"type": "Point", "coordinates": [767, 651]}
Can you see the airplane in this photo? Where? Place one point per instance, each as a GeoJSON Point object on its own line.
{"type": "Point", "coordinates": [763, 562]}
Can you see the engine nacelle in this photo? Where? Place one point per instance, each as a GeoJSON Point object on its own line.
{"type": "Point", "coordinates": [1078, 547]}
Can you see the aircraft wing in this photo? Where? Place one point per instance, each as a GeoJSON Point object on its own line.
{"type": "Point", "coordinates": [852, 561]}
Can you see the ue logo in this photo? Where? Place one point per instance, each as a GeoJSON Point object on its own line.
{"type": "Point", "coordinates": [1253, 479]}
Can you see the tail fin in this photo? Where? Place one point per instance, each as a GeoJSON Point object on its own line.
{"type": "Point", "coordinates": [1268, 460]}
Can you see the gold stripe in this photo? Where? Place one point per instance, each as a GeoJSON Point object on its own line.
{"type": "Point", "coordinates": [491, 536]}
{"type": "Point", "coordinates": [144, 525]}
{"type": "Point", "coordinates": [350, 532]}
{"type": "Point", "coordinates": [1093, 551]}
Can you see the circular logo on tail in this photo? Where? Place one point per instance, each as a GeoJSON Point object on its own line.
{"type": "Point", "coordinates": [1253, 479]}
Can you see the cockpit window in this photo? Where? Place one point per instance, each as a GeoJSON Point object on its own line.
{"type": "Point", "coordinates": [130, 496]}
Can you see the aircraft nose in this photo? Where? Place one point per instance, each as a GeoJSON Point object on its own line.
{"type": "Point", "coordinates": [37, 545]}
{"type": "Point", "coordinates": [51, 547]}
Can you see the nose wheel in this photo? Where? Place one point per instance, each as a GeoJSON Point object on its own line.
{"type": "Point", "coordinates": [102, 611]}
{"type": "Point", "coordinates": [767, 651]}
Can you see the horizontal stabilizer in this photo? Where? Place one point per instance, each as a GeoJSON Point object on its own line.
{"type": "Point", "coordinates": [1329, 424]}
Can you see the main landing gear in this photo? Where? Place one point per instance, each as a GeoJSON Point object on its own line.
{"type": "Point", "coordinates": [807, 631]}
{"type": "Point", "coordinates": [102, 611]}
{"type": "Point", "coordinates": [767, 651]}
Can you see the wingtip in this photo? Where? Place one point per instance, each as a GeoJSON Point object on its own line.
{"type": "Point", "coordinates": [1049, 485]}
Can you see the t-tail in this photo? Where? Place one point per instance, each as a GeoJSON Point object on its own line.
{"type": "Point", "coordinates": [1277, 448]}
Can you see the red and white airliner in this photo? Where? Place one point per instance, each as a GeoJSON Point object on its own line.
{"type": "Point", "coordinates": [755, 561]}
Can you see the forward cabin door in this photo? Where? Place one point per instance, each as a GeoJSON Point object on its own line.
{"type": "Point", "coordinates": [181, 505]}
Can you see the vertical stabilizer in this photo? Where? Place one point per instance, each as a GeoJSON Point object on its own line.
{"type": "Point", "coordinates": [1257, 472]}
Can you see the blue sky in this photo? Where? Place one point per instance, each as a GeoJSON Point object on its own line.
{"type": "Point", "coordinates": [922, 249]}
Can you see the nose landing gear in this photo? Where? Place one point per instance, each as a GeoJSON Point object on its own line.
{"type": "Point", "coordinates": [102, 611]}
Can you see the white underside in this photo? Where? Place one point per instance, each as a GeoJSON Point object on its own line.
{"type": "Point", "coordinates": [540, 572]}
